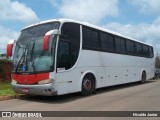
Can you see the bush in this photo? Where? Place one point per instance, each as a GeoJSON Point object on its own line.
{"type": "Point", "coordinates": [5, 69]}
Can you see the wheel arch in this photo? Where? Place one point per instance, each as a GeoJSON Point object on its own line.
{"type": "Point", "coordinates": [143, 71]}
{"type": "Point", "coordinates": [143, 80]}
{"type": "Point", "coordinates": [87, 73]}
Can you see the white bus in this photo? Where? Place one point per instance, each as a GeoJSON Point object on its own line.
{"type": "Point", "coordinates": [64, 56]}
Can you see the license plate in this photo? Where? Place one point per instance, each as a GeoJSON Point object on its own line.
{"type": "Point", "coordinates": [25, 89]}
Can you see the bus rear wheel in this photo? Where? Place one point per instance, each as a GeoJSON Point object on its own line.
{"type": "Point", "coordinates": [143, 78]}
{"type": "Point", "coordinates": [88, 85]}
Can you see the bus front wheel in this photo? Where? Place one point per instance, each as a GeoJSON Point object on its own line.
{"type": "Point", "coordinates": [88, 85]}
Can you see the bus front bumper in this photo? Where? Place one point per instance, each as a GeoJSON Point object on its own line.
{"type": "Point", "coordinates": [46, 89]}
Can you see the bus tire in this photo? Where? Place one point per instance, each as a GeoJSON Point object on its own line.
{"type": "Point", "coordinates": [88, 85]}
{"type": "Point", "coordinates": [143, 77]}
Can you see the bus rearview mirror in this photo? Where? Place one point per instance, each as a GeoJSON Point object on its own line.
{"type": "Point", "coordinates": [10, 48]}
{"type": "Point", "coordinates": [46, 38]}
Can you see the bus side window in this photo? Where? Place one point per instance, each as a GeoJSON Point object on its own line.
{"type": "Point", "coordinates": [145, 51]}
{"type": "Point", "coordinates": [139, 49]}
{"type": "Point", "coordinates": [63, 57]}
{"type": "Point", "coordinates": [107, 42]}
{"type": "Point", "coordinates": [120, 45]}
{"type": "Point", "coordinates": [69, 45]}
{"type": "Point", "coordinates": [90, 38]}
{"type": "Point", "coordinates": [130, 47]}
{"type": "Point", "coordinates": [151, 55]}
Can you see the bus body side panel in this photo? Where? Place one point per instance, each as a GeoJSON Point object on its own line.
{"type": "Point", "coordinates": [70, 81]}
{"type": "Point", "coordinates": [117, 68]}
{"type": "Point", "coordinates": [109, 69]}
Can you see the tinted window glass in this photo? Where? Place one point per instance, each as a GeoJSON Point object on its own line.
{"type": "Point", "coordinates": [145, 50]}
{"type": "Point", "coordinates": [70, 30]}
{"type": "Point", "coordinates": [90, 38]}
{"type": "Point", "coordinates": [64, 60]}
{"type": "Point", "coordinates": [107, 42]}
{"type": "Point", "coordinates": [71, 36]}
{"type": "Point", "coordinates": [130, 47]}
{"type": "Point", "coordinates": [139, 50]}
{"type": "Point", "coordinates": [151, 52]}
{"type": "Point", "coordinates": [120, 45]}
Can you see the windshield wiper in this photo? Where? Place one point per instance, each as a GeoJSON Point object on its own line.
{"type": "Point", "coordinates": [33, 65]}
{"type": "Point", "coordinates": [21, 59]}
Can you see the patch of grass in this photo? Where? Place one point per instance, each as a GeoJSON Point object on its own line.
{"type": "Point", "coordinates": [5, 89]}
{"type": "Point", "coordinates": [5, 86]}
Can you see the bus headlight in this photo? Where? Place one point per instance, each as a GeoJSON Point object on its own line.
{"type": "Point", "coordinates": [14, 81]}
{"type": "Point", "coordinates": [47, 81]}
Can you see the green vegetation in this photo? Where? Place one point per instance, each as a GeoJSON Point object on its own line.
{"type": "Point", "coordinates": [5, 78]}
{"type": "Point", "coordinates": [6, 90]}
{"type": "Point", "coordinates": [157, 61]}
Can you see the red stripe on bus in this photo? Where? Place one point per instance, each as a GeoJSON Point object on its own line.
{"type": "Point", "coordinates": [30, 79]}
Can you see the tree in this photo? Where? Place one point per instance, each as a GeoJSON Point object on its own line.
{"type": "Point", "coordinates": [157, 61]}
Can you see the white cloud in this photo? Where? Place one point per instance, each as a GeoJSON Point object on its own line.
{"type": "Point", "coordinates": [6, 35]}
{"type": "Point", "coordinates": [147, 6]}
{"type": "Point", "coordinates": [149, 33]}
{"type": "Point", "coordinates": [92, 11]}
{"type": "Point", "coordinates": [157, 21]}
{"type": "Point", "coordinates": [14, 10]}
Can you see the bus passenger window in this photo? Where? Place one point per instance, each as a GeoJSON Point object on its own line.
{"type": "Point", "coordinates": [139, 50]}
{"type": "Point", "coordinates": [130, 47]}
{"type": "Point", "coordinates": [120, 45]}
{"type": "Point", "coordinates": [90, 39]}
{"type": "Point", "coordinates": [107, 42]}
{"type": "Point", "coordinates": [151, 55]}
{"type": "Point", "coordinates": [145, 51]}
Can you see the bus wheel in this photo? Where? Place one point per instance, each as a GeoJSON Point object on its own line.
{"type": "Point", "coordinates": [143, 78]}
{"type": "Point", "coordinates": [88, 85]}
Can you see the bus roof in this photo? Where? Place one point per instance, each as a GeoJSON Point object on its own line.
{"type": "Point", "coordinates": [63, 20]}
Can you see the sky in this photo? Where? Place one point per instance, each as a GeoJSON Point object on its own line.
{"type": "Point", "coordinates": [138, 19]}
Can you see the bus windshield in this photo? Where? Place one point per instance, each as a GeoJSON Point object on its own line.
{"type": "Point", "coordinates": [29, 56]}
